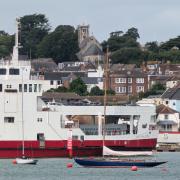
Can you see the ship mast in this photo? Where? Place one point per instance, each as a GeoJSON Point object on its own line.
{"type": "Point", "coordinates": [15, 55]}
{"type": "Point", "coordinates": [105, 93]}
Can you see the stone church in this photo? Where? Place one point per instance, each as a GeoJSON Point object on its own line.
{"type": "Point", "coordinates": [90, 48]}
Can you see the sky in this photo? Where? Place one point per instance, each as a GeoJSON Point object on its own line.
{"type": "Point", "coordinates": [156, 20]}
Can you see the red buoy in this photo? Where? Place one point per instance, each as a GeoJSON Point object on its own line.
{"type": "Point", "coordinates": [134, 168]}
{"type": "Point", "coordinates": [69, 165]}
{"type": "Point", "coordinates": [14, 161]}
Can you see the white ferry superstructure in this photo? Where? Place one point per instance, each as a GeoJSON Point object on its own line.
{"type": "Point", "coordinates": [46, 124]}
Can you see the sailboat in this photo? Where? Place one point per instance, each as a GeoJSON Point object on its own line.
{"type": "Point", "coordinates": [115, 162]}
{"type": "Point", "coordinates": [23, 159]}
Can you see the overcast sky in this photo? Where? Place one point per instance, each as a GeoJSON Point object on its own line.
{"type": "Point", "coordinates": [155, 19]}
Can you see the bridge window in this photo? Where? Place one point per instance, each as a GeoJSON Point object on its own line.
{"type": "Point", "coordinates": [14, 71]}
{"type": "Point", "coordinates": [25, 87]}
{"type": "Point", "coordinates": [30, 87]}
{"type": "Point", "coordinates": [40, 87]}
{"type": "Point", "coordinates": [20, 87]}
{"type": "Point", "coordinates": [35, 87]}
{"type": "Point", "coordinates": [2, 71]}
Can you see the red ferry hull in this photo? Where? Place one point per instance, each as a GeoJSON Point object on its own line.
{"type": "Point", "coordinates": [12, 149]}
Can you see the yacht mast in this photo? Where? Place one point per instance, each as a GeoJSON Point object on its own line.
{"type": "Point", "coordinates": [105, 93]}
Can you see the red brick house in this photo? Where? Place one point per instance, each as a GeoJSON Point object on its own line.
{"type": "Point", "coordinates": [128, 82]}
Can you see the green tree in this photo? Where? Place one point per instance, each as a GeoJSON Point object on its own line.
{"type": "Point", "coordinates": [110, 92]}
{"type": "Point", "coordinates": [59, 89]}
{"type": "Point", "coordinates": [96, 91]}
{"type": "Point", "coordinates": [132, 33]}
{"type": "Point", "coordinates": [118, 40]}
{"type": "Point", "coordinates": [61, 44]}
{"type": "Point", "coordinates": [6, 44]}
{"type": "Point", "coordinates": [174, 42]}
{"type": "Point", "coordinates": [155, 90]}
{"type": "Point", "coordinates": [127, 55]}
{"type": "Point", "coordinates": [78, 86]}
{"type": "Point", "coordinates": [152, 46]}
{"type": "Point", "coordinates": [33, 29]}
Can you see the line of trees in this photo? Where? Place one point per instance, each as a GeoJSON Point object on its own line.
{"type": "Point", "coordinates": [39, 40]}
{"type": "Point", "coordinates": [79, 87]}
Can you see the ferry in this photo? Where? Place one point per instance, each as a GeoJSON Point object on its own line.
{"type": "Point", "coordinates": [48, 123]}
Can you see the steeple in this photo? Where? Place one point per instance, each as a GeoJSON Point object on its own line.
{"type": "Point", "coordinates": [83, 32]}
{"type": "Point", "coordinates": [15, 55]}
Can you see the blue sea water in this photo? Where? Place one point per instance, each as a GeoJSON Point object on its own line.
{"type": "Point", "coordinates": [55, 169]}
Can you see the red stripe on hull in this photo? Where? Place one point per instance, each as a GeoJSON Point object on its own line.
{"type": "Point", "coordinates": [12, 149]}
{"type": "Point", "coordinates": [168, 132]}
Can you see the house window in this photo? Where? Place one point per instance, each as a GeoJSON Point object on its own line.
{"type": "Point", "coordinates": [116, 80]}
{"type": "Point", "coordinates": [8, 119]}
{"type": "Point", "coordinates": [129, 80]}
{"type": "Point", "coordinates": [51, 82]}
{"type": "Point", "coordinates": [140, 89]}
{"type": "Point", "coordinates": [120, 80]}
{"type": "Point", "coordinates": [117, 89]}
{"type": "Point", "coordinates": [0, 87]}
{"type": "Point", "coordinates": [139, 80]}
{"type": "Point", "coordinates": [166, 116]}
{"type": "Point", "coordinates": [59, 82]}
{"type": "Point", "coordinates": [129, 89]}
{"type": "Point", "coordinates": [120, 89]}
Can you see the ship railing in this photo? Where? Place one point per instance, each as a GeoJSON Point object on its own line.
{"type": "Point", "coordinates": [109, 133]}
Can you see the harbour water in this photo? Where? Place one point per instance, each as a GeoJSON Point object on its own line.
{"type": "Point", "coordinates": [55, 169]}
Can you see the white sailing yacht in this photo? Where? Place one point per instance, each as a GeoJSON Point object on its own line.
{"type": "Point", "coordinates": [23, 159]}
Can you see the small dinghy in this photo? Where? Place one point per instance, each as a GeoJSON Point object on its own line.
{"type": "Point", "coordinates": [26, 160]}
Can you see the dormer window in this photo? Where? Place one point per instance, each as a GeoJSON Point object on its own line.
{"type": "Point", "coordinates": [14, 71]}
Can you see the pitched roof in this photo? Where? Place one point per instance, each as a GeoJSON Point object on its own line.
{"type": "Point", "coordinates": [162, 109]}
{"type": "Point", "coordinates": [44, 64]}
{"type": "Point", "coordinates": [120, 67]}
{"type": "Point", "coordinates": [138, 73]}
{"type": "Point", "coordinates": [91, 80]}
{"type": "Point", "coordinates": [93, 50]}
{"type": "Point", "coordinates": [60, 75]}
{"type": "Point", "coordinates": [167, 122]}
{"type": "Point", "coordinates": [57, 96]}
{"type": "Point", "coordinates": [172, 93]}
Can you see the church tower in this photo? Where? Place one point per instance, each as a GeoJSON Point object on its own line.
{"type": "Point", "coordinates": [83, 32]}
